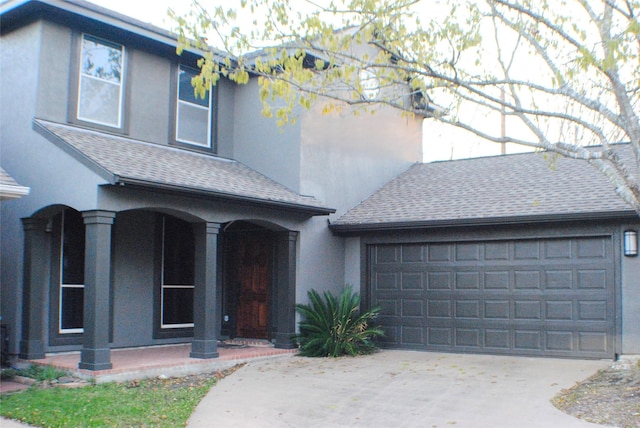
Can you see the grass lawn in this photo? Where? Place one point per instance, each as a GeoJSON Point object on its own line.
{"type": "Point", "coordinates": [146, 403]}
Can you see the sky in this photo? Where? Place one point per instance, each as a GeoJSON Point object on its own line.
{"type": "Point", "coordinates": [441, 142]}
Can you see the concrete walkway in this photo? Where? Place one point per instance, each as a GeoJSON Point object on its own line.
{"type": "Point", "coordinates": [395, 389]}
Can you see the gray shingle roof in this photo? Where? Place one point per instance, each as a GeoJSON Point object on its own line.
{"type": "Point", "coordinates": [123, 160]}
{"type": "Point", "coordinates": [522, 187]}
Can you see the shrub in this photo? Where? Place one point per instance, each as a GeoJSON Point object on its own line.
{"type": "Point", "coordinates": [334, 326]}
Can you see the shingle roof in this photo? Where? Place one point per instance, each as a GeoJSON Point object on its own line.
{"type": "Point", "coordinates": [521, 187]}
{"type": "Point", "coordinates": [127, 161]}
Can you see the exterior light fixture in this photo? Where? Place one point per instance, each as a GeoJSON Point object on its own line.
{"type": "Point", "coordinates": [630, 243]}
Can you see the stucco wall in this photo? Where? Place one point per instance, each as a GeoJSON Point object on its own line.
{"type": "Point", "coordinates": [18, 91]}
{"type": "Point", "coordinates": [261, 144]}
{"type": "Point", "coordinates": [133, 278]}
{"type": "Point", "coordinates": [151, 96]}
{"type": "Point", "coordinates": [346, 157]}
{"type": "Point", "coordinates": [53, 80]}
{"type": "Point", "coordinates": [630, 294]}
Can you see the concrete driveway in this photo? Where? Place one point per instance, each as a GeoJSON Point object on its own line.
{"type": "Point", "coordinates": [395, 389]}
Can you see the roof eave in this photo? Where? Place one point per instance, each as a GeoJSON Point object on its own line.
{"type": "Point", "coordinates": [290, 206]}
{"type": "Point", "coordinates": [343, 229]}
{"type": "Point", "coordinates": [8, 191]}
{"type": "Point", "coordinates": [21, 10]}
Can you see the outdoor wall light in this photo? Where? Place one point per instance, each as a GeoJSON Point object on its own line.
{"type": "Point", "coordinates": [630, 243]}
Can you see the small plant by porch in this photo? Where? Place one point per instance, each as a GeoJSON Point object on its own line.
{"type": "Point", "coordinates": [334, 326]}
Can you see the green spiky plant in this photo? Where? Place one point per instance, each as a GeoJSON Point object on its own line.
{"type": "Point", "coordinates": [334, 326]}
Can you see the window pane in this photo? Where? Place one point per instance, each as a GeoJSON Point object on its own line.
{"type": "Point", "coordinates": [193, 124]}
{"type": "Point", "coordinates": [72, 248]}
{"type": "Point", "coordinates": [179, 252]}
{"type": "Point", "coordinates": [177, 306]}
{"type": "Point", "coordinates": [101, 59]}
{"type": "Point", "coordinates": [99, 101]}
{"type": "Point", "coordinates": [71, 308]}
{"type": "Point", "coordinates": [185, 89]}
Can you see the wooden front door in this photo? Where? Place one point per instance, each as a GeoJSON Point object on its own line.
{"type": "Point", "coordinates": [254, 277]}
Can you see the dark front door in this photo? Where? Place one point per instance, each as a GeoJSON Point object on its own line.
{"type": "Point", "coordinates": [248, 283]}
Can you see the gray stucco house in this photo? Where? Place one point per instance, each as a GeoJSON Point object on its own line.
{"type": "Point", "coordinates": [155, 217]}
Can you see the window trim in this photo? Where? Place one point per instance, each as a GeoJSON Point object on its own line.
{"type": "Point", "coordinates": [211, 126]}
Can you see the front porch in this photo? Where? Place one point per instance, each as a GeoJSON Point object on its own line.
{"type": "Point", "coordinates": [164, 360]}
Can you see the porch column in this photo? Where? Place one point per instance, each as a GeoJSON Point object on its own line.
{"type": "Point", "coordinates": [205, 343]}
{"type": "Point", "coordinates": [96, 354]}
{"type": "Point", "coordinates": [286, 290]}
{"type": "Point", "coordinates": [34, 288]}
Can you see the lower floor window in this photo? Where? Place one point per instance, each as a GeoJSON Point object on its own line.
{"type": "Point", "coordinates": [71, 297]}
{"type": "Point", "coordinates": [177, 306]}
{"type": "Point", "coordinates": [178, 260]}
{"type": "Point", "coordinates": [71, 308]}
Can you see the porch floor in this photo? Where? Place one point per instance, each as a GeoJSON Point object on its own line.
{"type": "Point", "coordinates": [165, 360]}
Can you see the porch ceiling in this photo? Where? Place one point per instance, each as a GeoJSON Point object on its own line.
{"type": "Point", "coordinates": [123, 160]}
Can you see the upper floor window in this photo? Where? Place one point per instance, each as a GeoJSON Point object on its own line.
{"type": "Point", "coordinates": [100, 84]}
{"type": "Point", "coordinates": [193, 117]}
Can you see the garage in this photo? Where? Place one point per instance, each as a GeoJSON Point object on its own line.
{"type": "Point", "coordinates": [538, 297]}
{"type": "Point", "coordinates": [510, 255]}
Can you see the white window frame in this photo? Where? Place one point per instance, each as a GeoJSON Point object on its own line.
{"type": "Point", "coordinates": [63, 285]}
{"type": "Point", "coordinates": [180, 102]}
{"type": "Point", "coordinates": [164, 287]}
{"type": "Point", "coordinates": [82, 76]}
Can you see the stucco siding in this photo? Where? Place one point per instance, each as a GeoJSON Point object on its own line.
{"type": "Point", "coordinates": [630, 297]}
{"type": "Point", "coordinates": [151, 94]}
{"type": "Point", "coordinates": [261, 144]}
{"type": "Point", "coordinates": [53, 79]}
{"type": "Point", "coordinates": [321, 264]}
{"type": "Point", "coordinates": [225, 113]}
{"type": "Point", "coordinates": [133, 278]}
{"type": "Point", "coordinates": [346, 157]}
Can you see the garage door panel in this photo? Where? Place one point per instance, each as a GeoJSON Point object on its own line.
{"type": "Point", "coordinates": [529, 310]}
{"type": "Point", "coordinates": [563, 341]}
{"type": "Point", "coordinates": [592, 279]}
{"type": "Point", "coordinates": [558, 249]}
{"type": "Point", "coordinates": [527, 280]}
{"type": "Point", "coordinates": [592, 248]}
{"type": "Point", "coordinates": [496, 280]}
{"type": "Point", "coordinates": [529, 340]}
{"type": "Point", "coordinates": [559, 310]}
{"type": "Point", "coordinates": [468, 309]}
{"type": "Point", "coordinates": [412, 281]}
{"type": "Point", "coordinates": [467, 280]}
{"type": "Point", "coordinates": [593, 342]}
{"type": "Point", "coordinates": [526, 250]}
{"type": "Point", "coordinates": [559, 279]}
{"type": "Point", "coordinates": [526, 297]}
{"type": "Point", "coordinates": [497, 338]}
{"type": "Point", "coordinates": [589, 310]}
{"type": "Point", "coordinates": [467, 252]}
{"type": "Point", "coordinates": [440, 280]}
{"type": "Point", "coordinates": [440, 253]}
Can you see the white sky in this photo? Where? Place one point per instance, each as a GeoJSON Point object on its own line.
{"type": "Point", "coordinates": [441, 142]}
